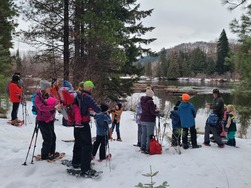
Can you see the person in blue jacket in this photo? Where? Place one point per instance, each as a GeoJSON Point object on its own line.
{"type": "Point", "coordinates": [103, 119]}
{"type": "Point", "coordinates": [187, 113]}
{"type": "Point", "coordinates": [176, 125]}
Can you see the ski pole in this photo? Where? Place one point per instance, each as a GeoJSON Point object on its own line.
{"type": "Point", "coordinates": [35, 143]}
{"type": "Point", "coordinates": [108, 147]}
{"type": "Point", "coordinates": [30, 146]}
{"type": "Point", "coordinates": [164, 125]}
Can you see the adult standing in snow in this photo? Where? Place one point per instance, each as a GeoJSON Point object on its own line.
{"type": "Point", "coordinates": [116, 116]}
{"type": "Point", "coordinates": [218, 104]}
{"type": "Point", "coordinates": [15, 93]}
{"type": "Point", "coordinates": [187, 113]}
{"type": "Point", "coordinates": [45, 119]}
{"type": "Point", "coordinates": [147, 119]}
{"type": "Point", "coordinates": [82, 149]}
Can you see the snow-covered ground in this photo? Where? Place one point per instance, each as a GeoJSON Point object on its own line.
{"type": "Point", "coordinates": [207, 167]}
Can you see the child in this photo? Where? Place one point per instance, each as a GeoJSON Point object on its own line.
{"type": "Point", "coordinates": [231, 126]}
{"type": "Point", "coordinates": [187, 114]}
{"type": "Point", "coordinates": [116, 115]}
{"type": "Point", "coordinates": [176, 125]}
{"type": "Point", "coordinates": [102, 121]}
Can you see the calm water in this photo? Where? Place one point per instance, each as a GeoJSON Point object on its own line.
{"type": "Point", "coordinates": [204, 92]}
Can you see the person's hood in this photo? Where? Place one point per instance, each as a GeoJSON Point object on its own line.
{"type": "Point", "coordinates": [144, 99]}
{"type": "Point", "coordinates": [184, 105]}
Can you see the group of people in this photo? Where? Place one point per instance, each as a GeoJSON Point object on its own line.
{"type": "Point", "coordinates": [48, 99]}
{"type": "Point", "coordinates": [183, 120]}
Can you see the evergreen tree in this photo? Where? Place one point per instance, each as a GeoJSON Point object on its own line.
{"type": "Point", "coordinates": [197, 61]}
{"type": "Point", "coordinates": [163, 67]}
{"type": "Point", "coordinates": [8, 11]}
{"type": "Point", "coordinates": [174, 61]}
{"type": "Point", "coordinates": [222, 53]}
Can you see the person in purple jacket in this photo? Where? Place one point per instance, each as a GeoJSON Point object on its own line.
{"type": "Point", "coordinates": [45, 120]}
{"type": "Point", "coordinates": [147, 119]}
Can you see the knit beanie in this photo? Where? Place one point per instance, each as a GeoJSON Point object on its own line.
{"type": "Point", "coordinates": [66, 83]}
{"type": "Point", "coordinates": [44, 84]}
{"type": "Point", "coordinates": [104, 107]}
{"type": "Point", "coordinates": [15, 78]}
{"type": "Point", "coordinates": [149, 93]}
{"type": "Point", "coordinates": [185, 97]}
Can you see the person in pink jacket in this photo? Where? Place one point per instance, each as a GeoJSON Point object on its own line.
{"type": "Point", "coordinates": [45, 120]}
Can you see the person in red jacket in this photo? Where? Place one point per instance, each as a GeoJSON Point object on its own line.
{"type": "Point", "coordinates": [15, 97]}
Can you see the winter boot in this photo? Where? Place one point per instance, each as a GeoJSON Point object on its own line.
{"type": "Point", "coordinates": [14, 122]}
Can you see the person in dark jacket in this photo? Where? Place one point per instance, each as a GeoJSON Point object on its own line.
{"type": "Point", "coordinates": [218, 104]}
{"type": "Point", "coordinates": [15, 93]}
{"type": "Point", "coordinates": [103, 120]}
{"type": "Point", "coordinates": [82, 149]}
{"type": "Point", "coordinates": [176, 125]}
{"type": "Point", "coordinates": [45, 120]}
{"type": "Point", "coordinates": [147, 119]}
{"type": "Point", "coordinates": [187, 114]}
{"type": "Point", "coordinates": [218, 108]}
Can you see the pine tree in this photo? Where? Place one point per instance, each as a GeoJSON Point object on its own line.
{"type": "Point", "coordinates": [8, 11]}
{"type": "Point", "coordinates": [222, 53]}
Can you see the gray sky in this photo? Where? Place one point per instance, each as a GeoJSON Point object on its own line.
{"type": "Point", "coordinates": [182, 21]}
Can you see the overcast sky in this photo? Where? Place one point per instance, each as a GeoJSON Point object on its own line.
{"type": "Point", "coordinates": [182, 21]}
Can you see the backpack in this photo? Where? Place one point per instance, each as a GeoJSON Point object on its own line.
{"type": "Point", "coordinates": [212, 120]}
{"type": "Point", "coordinates": [34, 108]}
{"type": "Point", "coordinates": [67, 99]}
{"type": "Point", "coordinates": [155, 146]}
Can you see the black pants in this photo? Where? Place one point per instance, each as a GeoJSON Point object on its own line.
{"type": "Point", "coordinates": [82, 149]}
{"type": "Point", "coordinates": [49, 137]}
{"type": "Point", "coordinates": [216, 134]}
{"type": "Point", "coordinates": [193, 133]}
{"type": "Point", "coordinates": [100, 141]}
{"type": "Point", "coordinates": [14, 111]}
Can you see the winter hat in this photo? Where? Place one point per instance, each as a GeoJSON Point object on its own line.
{"type": "Point", "coordinates": [88, 83]}
{"type": "Point", "coordinates": [216, 91]}
{"type": "Point", "coordinates": [149, 93]}
{"type": "Point", "coordinates": [44, 84]}
{"type": "Point", "coordinates": [119, 105]}
{"type": "Point", "coordinates": [53, 80]}
{"type": "Point", "coordinates": [51, 101]}
{"type": "Point", "coordinates": [81, 85]}
{"type": "Point", "coordinates": [15, 77]}
{"type": "Point", "coordinates": [66, 83]}
{"type": "Point", "coordinates": [104, 107]}
{"type": "Point", "coordinates": [185, 97]}
{"type": "Point", "coordinates": [177, 103]}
